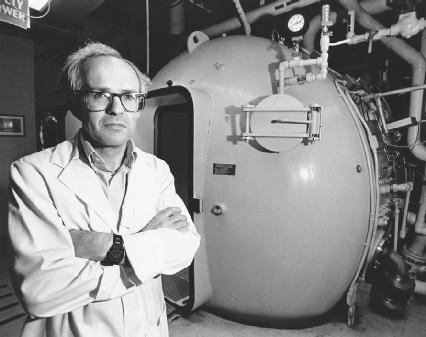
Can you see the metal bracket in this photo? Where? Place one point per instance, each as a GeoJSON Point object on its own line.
{"type": "Point", "coordinates": [196, 205]}
{"type": "Point", "coordinates": [313, 123]}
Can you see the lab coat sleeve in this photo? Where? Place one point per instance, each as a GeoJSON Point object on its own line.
{"type": "Point", "coordinates": [163, 250]}
{"type": "Point", "coordinates": [48, 278]}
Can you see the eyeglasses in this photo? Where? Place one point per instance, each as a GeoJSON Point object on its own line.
{"type": "Point", "coordinates": [101, 101]}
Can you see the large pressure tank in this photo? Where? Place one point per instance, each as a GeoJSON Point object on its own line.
{"type": "Point", "coordinates": [284, 221]}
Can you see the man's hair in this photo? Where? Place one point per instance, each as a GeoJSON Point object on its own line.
{"type": "Point", "coordinates": [72, 70]}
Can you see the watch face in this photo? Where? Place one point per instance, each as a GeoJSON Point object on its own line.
{"type": "Point", "coordinates": [296, 22]}
{"type": "Point", "coordinates": [116, 256]}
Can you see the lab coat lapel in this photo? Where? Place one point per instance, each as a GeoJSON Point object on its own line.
{"type": "Point", "coordinates": [136, 206]}
{"type": "Point", "coordinates": [82, 181]}
{"type": "Point", "coordinates": [134, 182]}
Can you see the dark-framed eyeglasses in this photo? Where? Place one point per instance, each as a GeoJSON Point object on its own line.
{"type": "Point", "coordinates": [101, 100]}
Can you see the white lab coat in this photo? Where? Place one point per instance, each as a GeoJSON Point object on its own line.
{"type": "Point", "coordinates": [52, 191]}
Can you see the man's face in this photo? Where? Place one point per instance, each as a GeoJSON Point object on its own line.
{"type": "Point", "coordinates": [114, 126]}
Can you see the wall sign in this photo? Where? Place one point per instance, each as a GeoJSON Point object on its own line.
{"type": "Point", "coordinates": [15, 12]}
{"type": "Point", "coordinates": [12, 126]}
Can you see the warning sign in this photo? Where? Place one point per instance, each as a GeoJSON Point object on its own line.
{"type": "Point", "coordinates": [15, 12]}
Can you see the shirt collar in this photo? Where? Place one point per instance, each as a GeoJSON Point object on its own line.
{"type": "Point", "coordinates": [96, 161]}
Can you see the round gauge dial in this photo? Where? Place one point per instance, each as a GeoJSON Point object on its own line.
{"type": "Point", "coordinates": [296, 22]}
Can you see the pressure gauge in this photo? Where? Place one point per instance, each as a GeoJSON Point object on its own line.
{"type": "Point", "coordinates": [296, 24]}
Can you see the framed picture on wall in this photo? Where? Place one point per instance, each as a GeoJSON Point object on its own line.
{"type": "Point", "coordinates": [12, 125]}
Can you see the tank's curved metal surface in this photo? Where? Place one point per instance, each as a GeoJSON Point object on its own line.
{"type": "Point", "coordinates": [294, 222]}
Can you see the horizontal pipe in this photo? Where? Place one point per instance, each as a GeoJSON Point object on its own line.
{"type": "Point", "coordinates": [374, 7]}
{"type": "Point", "coordinates": [394, 92]}
{"type": "Point", "coordinates": [417, 247]}
{"type": "Point", "coordinates": [274, 9]}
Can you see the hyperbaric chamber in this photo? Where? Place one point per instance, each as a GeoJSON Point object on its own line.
{"type": "Point", "coordinates": [284, 221]}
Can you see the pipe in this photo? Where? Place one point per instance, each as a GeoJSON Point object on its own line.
{"type": "Point", "coordinates": [376, 185]}
{"type": "Point", "coordinates": [419, 226]}
{"type": "Point", "coordinates": [240, 10]}
{"type": "Point", "coordinates": [322, 61]}
{"type": "Point", "coordinates": [395, 263]}
{"type": "Point", "coordinates": [381, 115]}
{"type": "Point", "coordinates": [420, 288]}
{"type": "Point", "coordinates": [393, 92]}
{"type": "Point", "coordinates": [309, 36]}
{"type": "Point", "coordinates": [392, 285]}
{"type": "Point", "coordinates": [177, 18]}
{"type": "Point", "coordinates": [147, 36]}
{"type": "Point", "coordinates": [396, 225]}
{"type": "Point", "coordinates": [415, 59]}
{"type": "Point", "coordinates": [418, 246]}
{"type": "Point", "coordinates": [314, 28]}
{"type": "Point", "coordinates": [351, 295]}
{"type": "Point", "coordinates": [403, 230]}
{"type": "Point", "coordinates": [372, 7]}
{"type": "Point", "coordinates": [274, 9]}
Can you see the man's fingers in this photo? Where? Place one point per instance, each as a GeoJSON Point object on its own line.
{"type": "Point", "coordinates": [168, 211]}
{"type": "Point", "coordinates": [177, 217]}
{"type": "Point", "coordinates": [181, 225]}
{"type": "Point", "coordinates": [169, 217]}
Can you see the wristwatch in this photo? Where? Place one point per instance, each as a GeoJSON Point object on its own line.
{"type": "Point", "coordinates": [116, 253]}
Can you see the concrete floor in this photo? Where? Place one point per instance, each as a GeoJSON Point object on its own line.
{"type": "Point", "coordinates": [368, 324]}
{"type": "Point", "coordinates": [204, 324]}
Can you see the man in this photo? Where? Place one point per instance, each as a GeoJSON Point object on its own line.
{"type": "Point", "coordinates": [94, 220]}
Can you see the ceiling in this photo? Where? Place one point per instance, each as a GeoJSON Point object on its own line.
{"type": "Point", "coordinates": [69, 22]}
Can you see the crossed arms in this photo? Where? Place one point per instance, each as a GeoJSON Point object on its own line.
{"type": "Point", "coordinates": [55, 271]}
{"type": "Point", "coordinates": [95, 245]}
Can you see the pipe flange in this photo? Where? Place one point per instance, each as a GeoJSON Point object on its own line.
{"type": "Point", "coordinates": [413, 259]}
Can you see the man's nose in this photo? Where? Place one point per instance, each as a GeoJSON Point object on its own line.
{"type": "Point", "coordinates": [116, 106]}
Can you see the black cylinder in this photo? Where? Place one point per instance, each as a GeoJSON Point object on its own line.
{"type": "Point", "coordinates": [392, 284]}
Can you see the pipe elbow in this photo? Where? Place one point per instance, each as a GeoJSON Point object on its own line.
{"type": "Point", "coordinates": [392, 284]}
{"type": "Point", "coordinates": [396, 264]}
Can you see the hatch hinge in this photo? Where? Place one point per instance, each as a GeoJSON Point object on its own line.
{"type": "Point", "coordinates": [196, 205]}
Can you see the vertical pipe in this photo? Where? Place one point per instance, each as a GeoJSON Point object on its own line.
{"type": "Point", "coordinates": [396, 225]}
{"type": "Point", "coordinates": [420, 219]}
{"type": "Point", "coordinates": [177, 18]}
{"type": "Point", "coordinates": [409, 54]}
{"type": "Point", "coordinates": [309, 36]}
{"type": "Point", "coordinates": [418, 246]}
{"type": "Point", "coordinates": [147, 35]}
{"type": "Point", "coordinates": [403, 230]}
{"type": "Point", "coordinates": [247, 28]}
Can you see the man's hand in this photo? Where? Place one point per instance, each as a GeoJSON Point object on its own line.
{"type": "Point", "coordinates": [170, 217]}
{"type": "Point", "coordinates": [91, 245]}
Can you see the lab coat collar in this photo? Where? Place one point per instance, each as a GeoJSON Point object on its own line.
{"type": "Point", "coordinates": [82, 180]}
